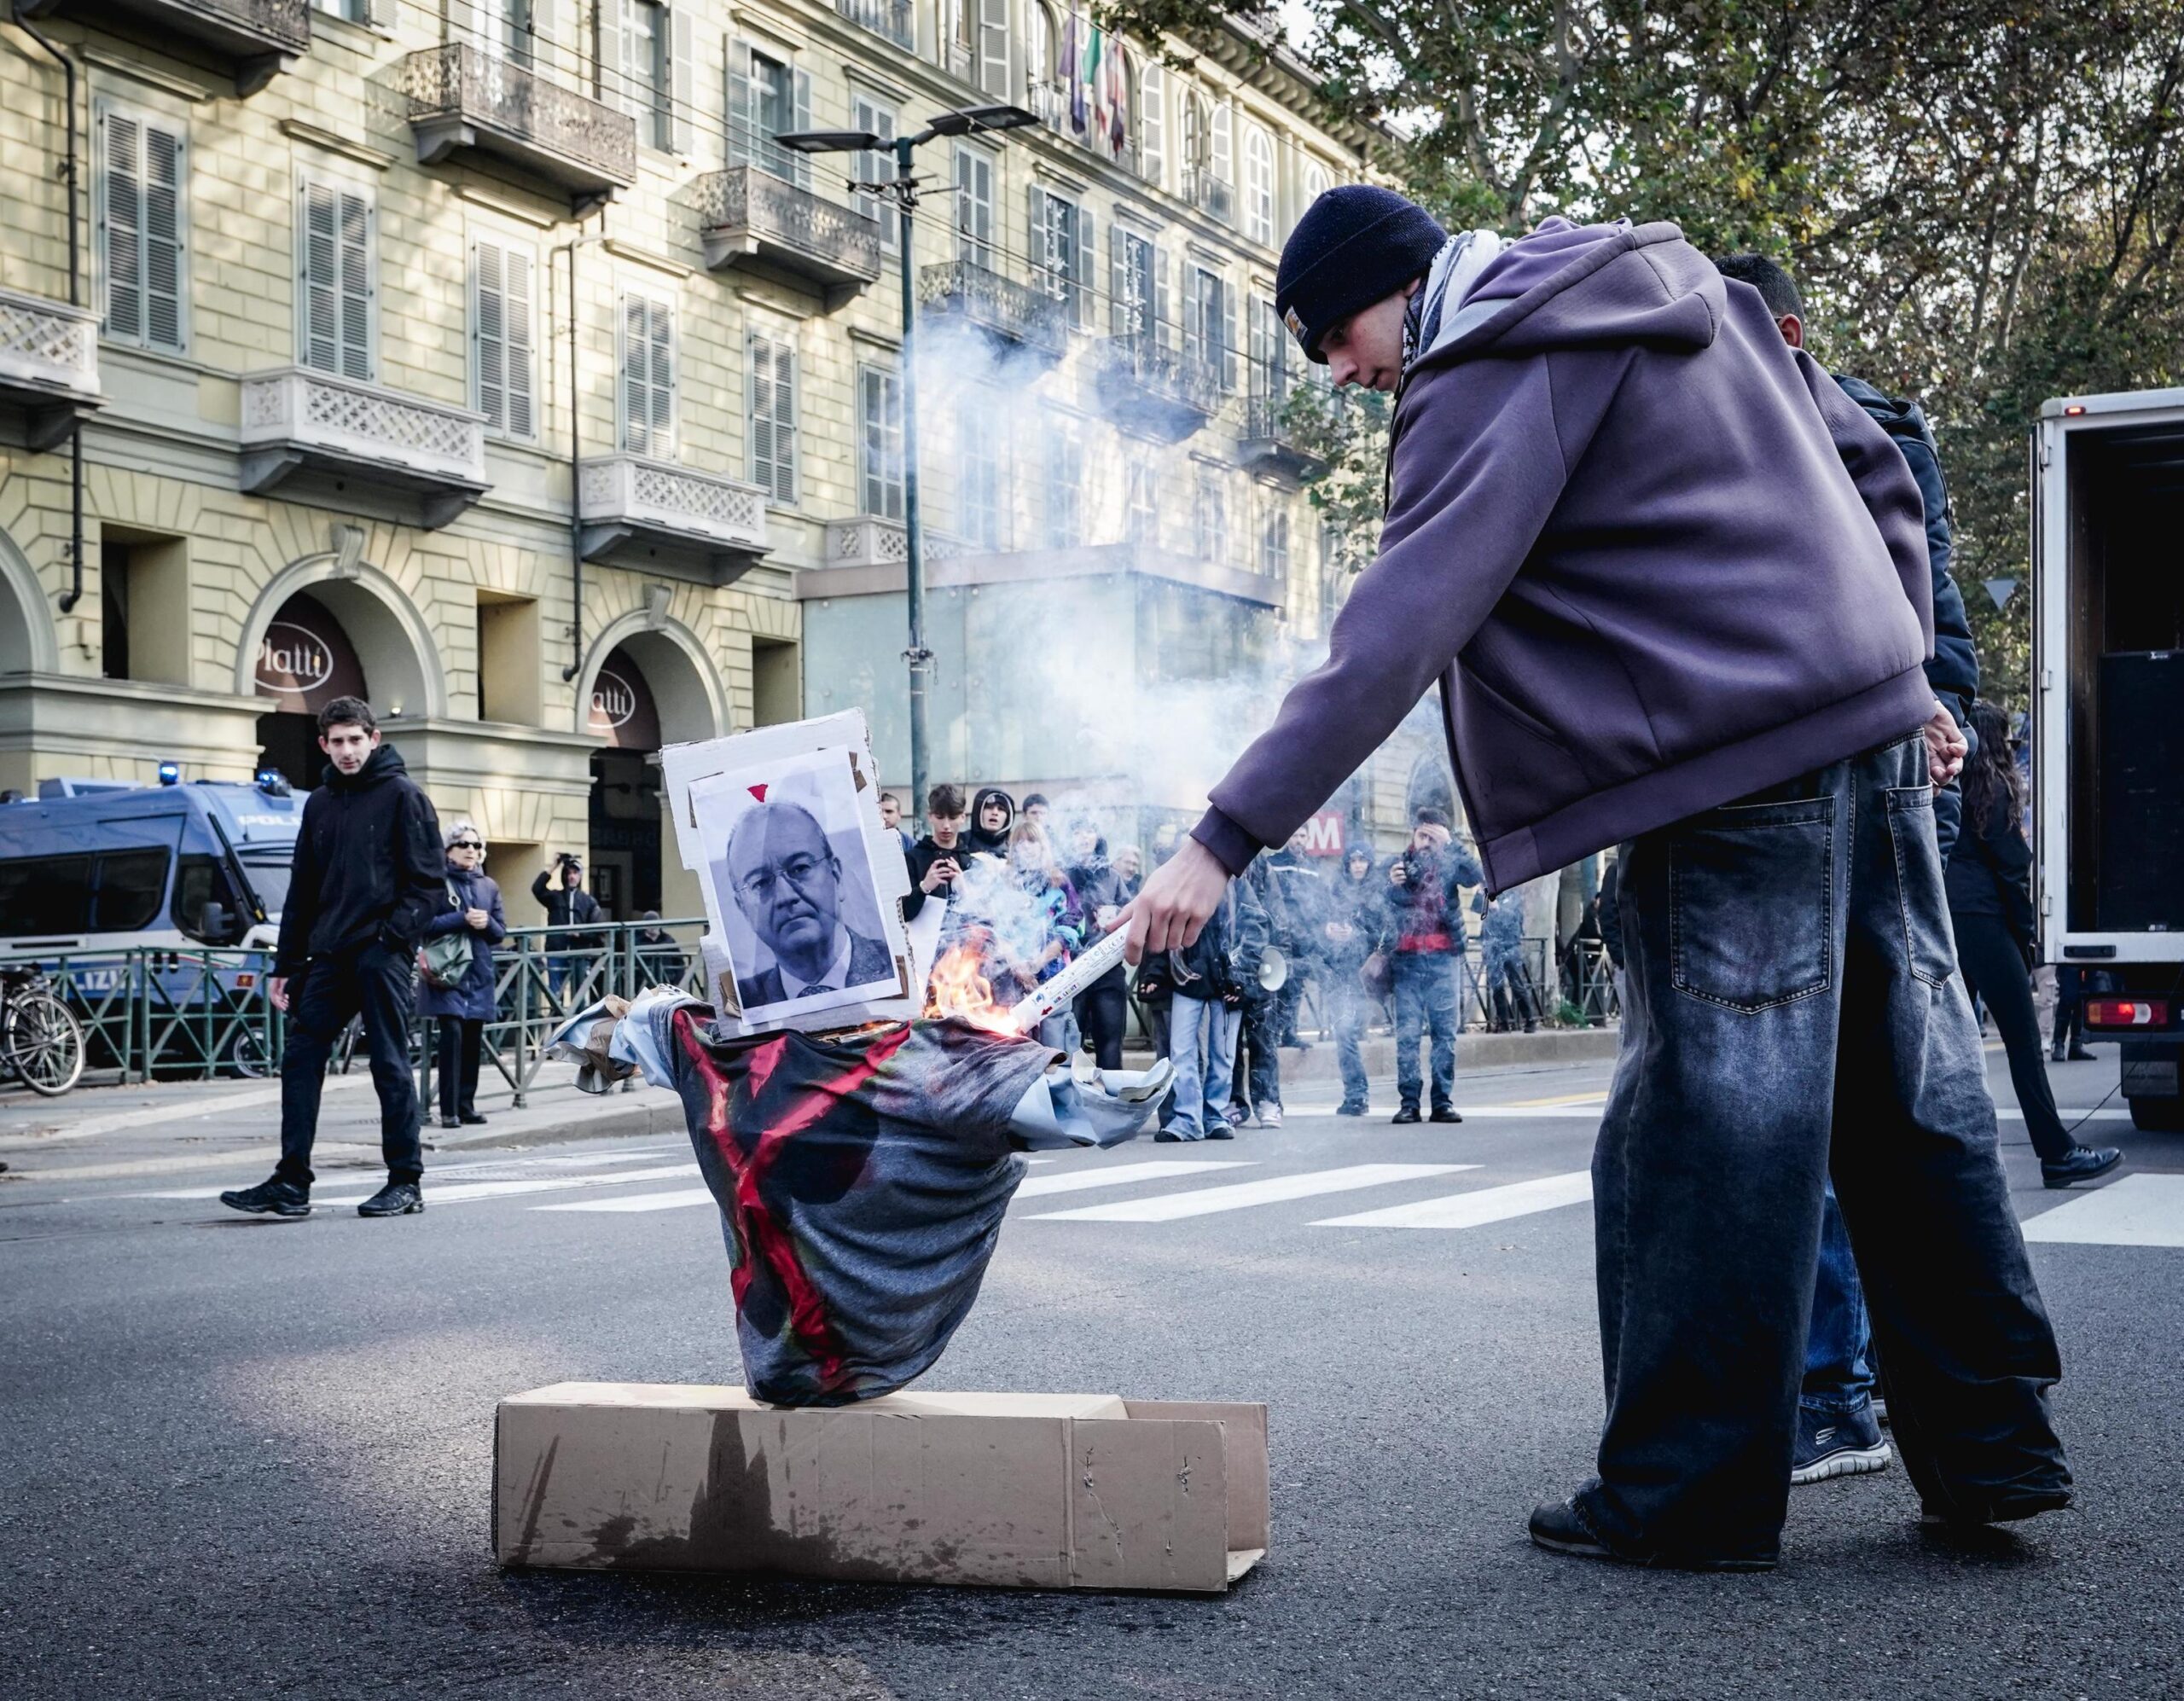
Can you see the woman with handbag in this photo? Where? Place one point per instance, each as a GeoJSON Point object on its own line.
{"type": "Point", "coordinates": [456, 966]}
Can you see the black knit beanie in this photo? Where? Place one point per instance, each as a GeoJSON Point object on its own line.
{"type": "Point", "coordinates": [1355, 245]}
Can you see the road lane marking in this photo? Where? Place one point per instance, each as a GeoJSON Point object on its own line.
{"type": "Point", "coordinates": [2139, 1211]}
{"type": "Point", "coordinates": [1075, 1180]}
{"type": "Point", "coordinates": [1241, 1195]}
{"type": "Point", "coordinates": [1469, 1211]}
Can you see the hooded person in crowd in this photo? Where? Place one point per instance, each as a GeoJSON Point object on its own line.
{"type": "Point", "coordinates": [1673, 585]}
{"type": "Point", "coordinates": [993, 814]}
{"type": "Point", "coordinates": [1352, 928]}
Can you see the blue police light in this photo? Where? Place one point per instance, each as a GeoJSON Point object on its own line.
{"type": "Point", "coordinates": [170, 773]}
{"type": "Point", "coordinates": [273, 783]}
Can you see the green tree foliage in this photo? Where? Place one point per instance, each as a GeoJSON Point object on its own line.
{"type": "Point", "coordinates": [1982, 199]}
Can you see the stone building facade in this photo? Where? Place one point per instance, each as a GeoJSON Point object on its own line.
{"type": "Point", "coordinates": [498, 361]}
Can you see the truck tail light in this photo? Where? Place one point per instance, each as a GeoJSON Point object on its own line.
{"type": "Point", "coordinates": [2126, 1012]}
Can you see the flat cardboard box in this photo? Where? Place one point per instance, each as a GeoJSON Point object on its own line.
{"type": "Point", "coordinates": [1008, 1490]}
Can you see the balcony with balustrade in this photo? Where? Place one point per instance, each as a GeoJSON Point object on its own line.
{"type": "Point", "coordinates": [669, 519]}
{"type": "Point", "coordinates": [1019, 320]}
{"type": "Point", "coordinates": [1270, 444]}
{"type": "Point", "coordinates": [365, 448]}
{"type": "Point", "coordinates": [752, 219]}
{"type": "Point", "coordinates": [1155, 392]}
{"type": "Point", "coordinates": [255, 39]}
{"type": "Point", "coordinates": [895, 20]}
{"type": "Point", "coordinates": [871, 540]}
{"type": "Point", "coordinates": [1214, 196]}
{"type": "Point", "coordinates": [463, 98]}
{"type": "Point", "coordinates": [48, 367]}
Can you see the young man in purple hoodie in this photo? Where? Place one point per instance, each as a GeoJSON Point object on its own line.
{"type": "Point", "coordinates": [1673, 585]}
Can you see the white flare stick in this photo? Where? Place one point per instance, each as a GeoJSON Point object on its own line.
{"type": "Point", "coordinates": [1052, 995]}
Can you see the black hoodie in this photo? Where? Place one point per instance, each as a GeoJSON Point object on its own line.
{"type": "Point", "coordinates": [368, 865]}
{"type": "Point", "coordinates": [976, 841]}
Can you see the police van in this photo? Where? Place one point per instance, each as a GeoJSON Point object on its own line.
{"type": "Point", "coordinates": [90, 868]}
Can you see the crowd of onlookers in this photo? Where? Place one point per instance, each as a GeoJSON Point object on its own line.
{"type": "Point", "coordinates": [1360, 940]}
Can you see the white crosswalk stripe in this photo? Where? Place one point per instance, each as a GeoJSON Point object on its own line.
{"type": "Point", "coordinates": [2139, 1211]}
{"type": "Point", "coordinates": [1469, 1211]}
{"type": "Point", "coordinates": [1242, 1195]}
{"type": "Point", "coordinates": [1071, 1181]}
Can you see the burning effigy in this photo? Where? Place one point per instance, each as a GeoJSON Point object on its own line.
{"type": "Point", "coordinates": [863, 1167]}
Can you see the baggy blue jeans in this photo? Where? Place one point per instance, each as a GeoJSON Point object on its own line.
{"type": "Point", "coordinates": [1202, 1045]}
{"type": "Point", "coordinates": [1838, 1374]}
{"type": "Point", "coordinates": [1792, 1008]}
{"type": "Point", "coordinates": [1345, 1006]}
{"type": "Point", "coordinates": [1426, 999]}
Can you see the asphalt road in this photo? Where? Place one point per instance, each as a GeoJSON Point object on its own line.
{"type": "Point", "coordinates": [247, 1457]}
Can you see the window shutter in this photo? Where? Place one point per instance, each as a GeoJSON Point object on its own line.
{"type": "Point", "coordinates": [522, 356]}
{"type": "Point", "coordinates": [489, 341]}
{"type": "Point", "coordinates": [1225, 144]}
{"type": "Point", "coordinates": [606, 53]}
{"type": "Point", "coordinates": [121, 237]}
{"type": "Point", "coordinates": [1083, 280]}
{"type": "Point", "coordinates": [993, 48]}
{"type": "Point", "coordinates": [740, 117]}
{"type": "Point", "coordinates": [1161, 321]}
{"type": "Point", "coordinates": [1152, 121]}
{"type": "Point", "coordinates": [785, 421]}
{"type": "Point", "coordinates": [536, 36]}
{"type": "Point", "coordinates": [661, 353]}
{"type": "Point", "coordinates": [383, 14]}
{"type": "Point", "coordinates": [1194, 348]}
{"type": "Point", "coordinates": [680, 93]}
{"type": "Point", "coordinates": [1261, 349]}
{"type": "Point", "coordinates": [758, 411]}
{"type": "Point", "coordinates": [800, 164]}
{"type": "Point", "coordinates": [1036, 249]}
{"type": "Point", "coordinates": [356, 285]}
{"type": "Point", "coordinates": [1228, 335]}
{"type": "Point", "coordinates": [319, 318]}
{"type": "Point", "coordinates": [166, 181]}
{"type": "Point", "coordinates": [636, 406]}
{"type": "Point", "coordinates": [1121, 300]}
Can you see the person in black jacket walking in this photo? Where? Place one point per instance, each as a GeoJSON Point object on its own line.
{"type": "Point", "coordinates": [1991, 909]}
{"type": "Point", "coordinates": [365, 882]}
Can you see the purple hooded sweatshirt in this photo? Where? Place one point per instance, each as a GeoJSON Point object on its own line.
{"type": "Point", "coordinates": [1655, 557]}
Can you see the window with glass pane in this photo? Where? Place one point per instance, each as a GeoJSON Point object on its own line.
{"type": "Point", "coordinates": [647, 374]}
{"type": "Point", "coordinates": [44, 895]}
{"type": "Point", "coordinates": [1258, 185]}
{"type": "Point", "coordinates": [773, 93]}
{"type": "Point", "coordinates": [771, 420]}
{"type": "Point", "coordinates": [1205, 318]}
{"type": "Point", "coordinates": [1274, 542]}
{"type": "Point", "coordinates": [1054, 247]}
{"type": "Point", "coordinates": [132, 887]}
{"type": "Point", "coordinates": [1065, 487]}
{"type": "Point", "coordinates": [644, 68]}
{"type": "Point", "coordinates": [1137, 308]}
{"type": "Point", "coordinates": [1141, 503]}
{"type": "Point", "coordinates": [879, 440]}
{"type": "Point", "coordinates": [975, 207]}
{"type": "Point", "coordinates": [978, 449]}
{"type": "Point", "coordinates": [1212, 517]}
{"type": "Point", "coordinates": [876, 166]}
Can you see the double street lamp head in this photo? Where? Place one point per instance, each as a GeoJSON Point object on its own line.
{"type": "Point", "coordinates": [963, 122]}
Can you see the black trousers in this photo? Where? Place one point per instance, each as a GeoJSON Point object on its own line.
{"type": "Point", "coordinates": [380, 986]}
{"type": "Point", "coordinates": [461, 1042]}
{"type": "Point", "coordinates": [1258, 1078]}
{"type": "Point", "coordinates": [1995, 971]}
{"type": "Point", "coordinates": [1101, 1013]}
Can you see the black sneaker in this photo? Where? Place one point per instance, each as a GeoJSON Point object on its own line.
{"type": "Point", "coordinates": [1218, 1128]}
{"type": "Point", "coordinates": [2016, 1508]}
{"type": "Point", "coordinates": [273, 1198]}
{"type": "Point", "coordinates": [1167, 1136]}
{"type": "Point", "coordinates": [470, 1119]}
{"type": "Point", "coordinates": [396, 1198]}
{"type": "Point", "coordinates": [1357, 1109]}
{"type": "Point", "coordinates": [1447, 1114]}
{"type": "Point", "coordinates": [2081, 1163]}
{"type": "Point", "coordinates": [451, 1121]}
{"type": "Point", "coordinates": [1831, 1444]}
{"type": "Point", "coordinates": [1556, 1527]}
{"type": "Point", "coordinates": [1408, 1113]}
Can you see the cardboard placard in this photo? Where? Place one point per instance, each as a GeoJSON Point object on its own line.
{"type": "Point", "coordinates": [1024, 1491]}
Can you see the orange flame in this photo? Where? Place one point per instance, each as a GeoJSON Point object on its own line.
{"type": "Point", "coordinates": [957, 989]}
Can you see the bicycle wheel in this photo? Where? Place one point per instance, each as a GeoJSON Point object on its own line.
{"type": "Point", "coordinates": [44, 1043]}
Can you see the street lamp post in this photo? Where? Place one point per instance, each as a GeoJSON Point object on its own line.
{"type": "Point", "coordinates": [902, 190]}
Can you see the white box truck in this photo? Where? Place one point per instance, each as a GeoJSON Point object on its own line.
{"type": "Point", "coordinates": [2108, 723]}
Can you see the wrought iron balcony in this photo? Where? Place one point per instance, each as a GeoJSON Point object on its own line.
{"type": "Point", "coordinates": [1214, 196]}
{"type": "Point", "coordinates": [257, 38]}
{"type": "Point", "coordinates": [747, 216]}
{"type": "Point", "coordinates": [672, 519]}
{"type": "Point", "coordinates": [313, 434]}
{"type": "Point", "coordinates": [871, 541]}
{"type": "Point", "coordinates": [49, 366]}
{"type": "Point", "coordinates": [893, 19]}
{"type": "Point", "coordinates": [461, 96]}
{"type": "Point", "coordinates": [1270, 445]}
{"type": "Point", "coordinates": [1154, 392]}
{"type": "Point", "coordinates": [1009, 312]}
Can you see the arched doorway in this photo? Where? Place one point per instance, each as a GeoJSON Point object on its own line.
{"type": "Point", "coordinates": [625, 813]}
{"type": "Point", "coordinates": [305, 661]}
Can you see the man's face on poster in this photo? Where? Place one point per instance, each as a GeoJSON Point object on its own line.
{"type": "Point", "coordinates": [787, 880]}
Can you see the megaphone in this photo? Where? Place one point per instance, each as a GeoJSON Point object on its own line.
{"type": "Point", "coordinates": [1274, 970]}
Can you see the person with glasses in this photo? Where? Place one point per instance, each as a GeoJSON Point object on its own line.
{"type": "Point", "coordinates": [787, 883]}
{"type": "Point", "coordinates": [463, 1010]}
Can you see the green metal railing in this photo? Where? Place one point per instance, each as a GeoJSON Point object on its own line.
{"type": "Point", "coordinates": [200, 1014]}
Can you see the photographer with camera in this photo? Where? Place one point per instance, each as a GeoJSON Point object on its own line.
{"type": "Point", "coordinates": [1207, 981]}
{"type": "Point", "coordinates": [1426, 916]}
{"type": "Point", "coordinates": [568, 906]}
